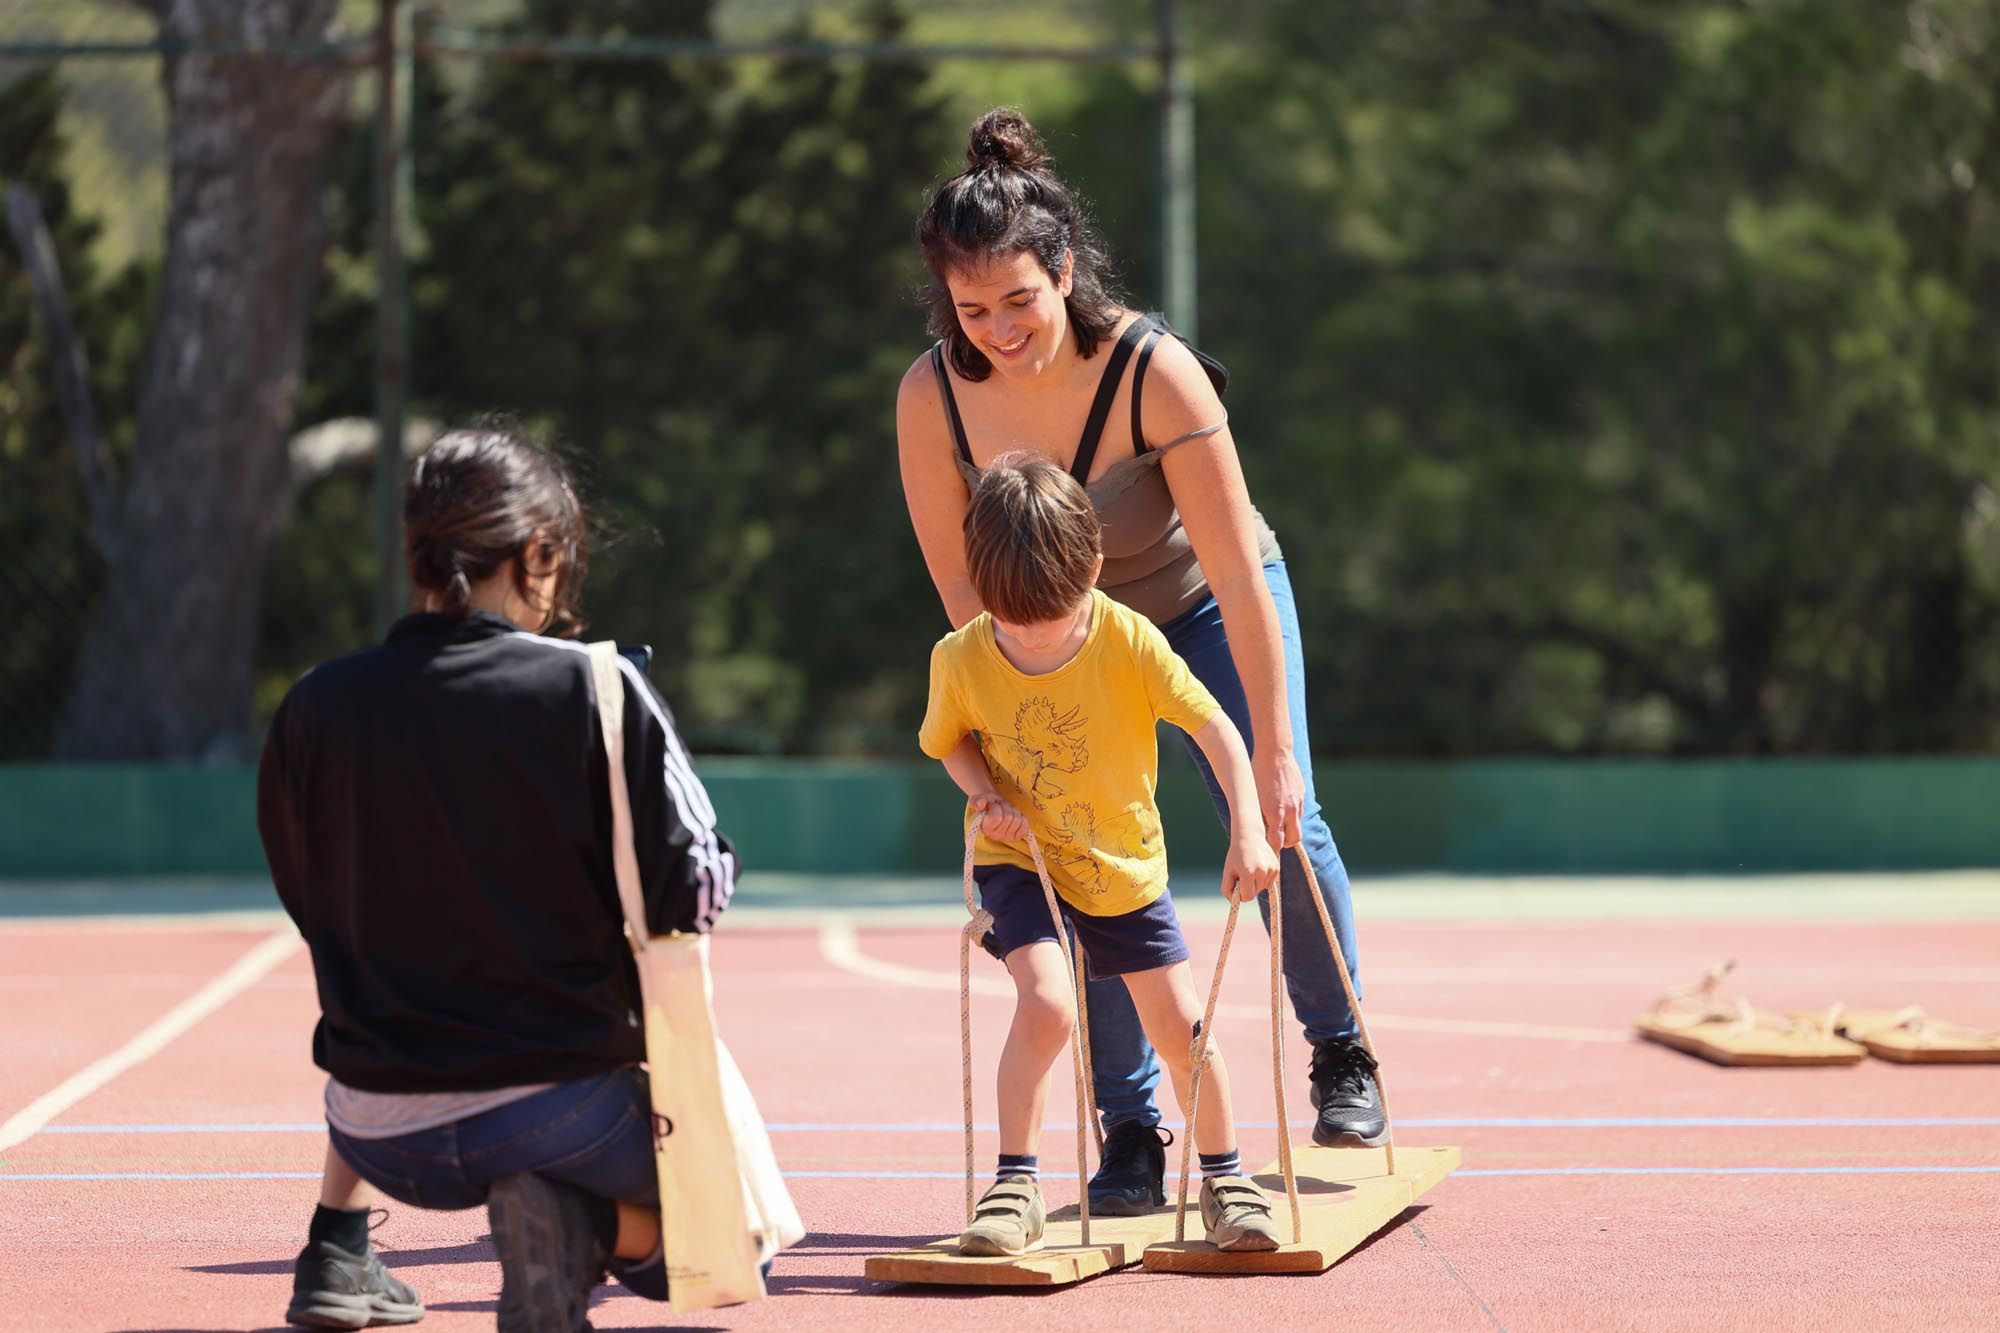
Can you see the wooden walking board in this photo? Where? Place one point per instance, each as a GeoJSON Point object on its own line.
{"type": "Point", "coordinates": [1345, 1197]}
{"type": "Point", "coordinates": [1761, 1040]}
{"type": "Point", "coordinates": [1115, 1242]}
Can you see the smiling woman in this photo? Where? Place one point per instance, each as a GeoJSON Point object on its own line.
{"type": "Point", "coordinates": [1020, 285]}
{"type": "Point", "coordinates": [1025, 261]}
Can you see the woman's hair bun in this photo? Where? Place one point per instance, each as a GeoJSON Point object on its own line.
{"type": "Point", "coordinates": [1003, 137]}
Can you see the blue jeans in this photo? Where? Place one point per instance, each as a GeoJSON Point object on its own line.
{"type": "Point", "coordinates": [593, 1133]}
{"type": "Point", "coordinates": [1126, 1070]}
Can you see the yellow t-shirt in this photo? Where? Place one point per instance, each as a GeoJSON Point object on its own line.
{"type": "Point", "coordinates": [1074, 749]}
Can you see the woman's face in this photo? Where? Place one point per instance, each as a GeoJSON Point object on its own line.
{"type": "Point", "coordinates": [1013, 312]}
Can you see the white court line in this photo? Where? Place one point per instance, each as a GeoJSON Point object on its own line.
{"type": "Point", "coordinates": [840, 945]}
{"type": "Point", "coordinates": [242, 974]}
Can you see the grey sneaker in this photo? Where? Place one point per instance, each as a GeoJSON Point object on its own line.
{"type": "Point", "coordinates": [1008, 1219]}
{"type": "Point", "coordinates": [1237, 1213]}
{"type": "Point", "coordinates": [550, 1258]}
{"type": "Point", "coordinates": [333, 1288]}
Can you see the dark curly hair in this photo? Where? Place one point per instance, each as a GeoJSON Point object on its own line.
{"type": "Point", "coordinates": [1007, 200]}
{"type": "Point", "coordinates": [480, 497]}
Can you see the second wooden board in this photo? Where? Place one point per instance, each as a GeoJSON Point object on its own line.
{"type": "Point", "coordinates": [1345, 1196]}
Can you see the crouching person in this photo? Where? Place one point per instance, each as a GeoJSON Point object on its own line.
{"type": "Point", "coordinates": [436, 814]}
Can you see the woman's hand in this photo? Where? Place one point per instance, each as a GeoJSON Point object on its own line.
{"type": "Point", "coordinates": [1281, 795]}
{"type": "Point", "coordinates": [1252, 868]}
{"type": "Point", "coordinates": [999, 820]}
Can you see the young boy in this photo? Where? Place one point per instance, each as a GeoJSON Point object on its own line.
{"type": "Point", "coordinates": [1043, 711]}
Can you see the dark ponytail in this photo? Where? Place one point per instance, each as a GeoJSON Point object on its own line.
{"type": "Point", "coordinates": [435, 567]}
{"type": "Point", "coordinates": [483, 497]}
{"type": "Point", "coordinates": [1007, 200]}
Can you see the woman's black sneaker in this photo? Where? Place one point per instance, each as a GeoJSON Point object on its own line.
{"type": "Point", "coordinates": [1131, 1171]}
{"type": "Point", "coordinates": [336, 1288]}
{"type": "Point", "coordinates": [1343, 1088]}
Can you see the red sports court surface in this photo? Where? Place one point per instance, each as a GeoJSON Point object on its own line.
{"type": "Point", "coordinates": [1608, 1184]}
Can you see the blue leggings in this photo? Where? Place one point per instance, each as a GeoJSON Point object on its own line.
{"type": "Point", "coordinates": [1126, 1069]}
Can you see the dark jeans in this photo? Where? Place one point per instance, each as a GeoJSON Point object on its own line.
{"type": "Point", "coordinates": [1126, 1070]}
{"type": "Point", "coordinates": [593, 1133]}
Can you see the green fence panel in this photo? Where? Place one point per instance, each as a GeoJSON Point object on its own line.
{"type": "Point", "coordinates": [1473, 817]}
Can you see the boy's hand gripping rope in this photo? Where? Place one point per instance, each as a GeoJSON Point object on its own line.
{"type": "Point", "coordinates": [1086, 1097]}
{"type": "Point", "coordinates": [1204, 1045]}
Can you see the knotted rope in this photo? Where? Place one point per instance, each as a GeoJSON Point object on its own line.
{"type": "Point", "coordinates": [1691, 1006]}
{"type": "Point", "coordinates": [1353, 1005]}
{"type": "Point", "coordinates": [1929, 1031]}
{"type": "Point", "coordinates": [1203, 1051]}
{"type": "Point", "coordinates": [1694, 1006]}
{"type": "Point", "coordinates": [1073, 962]}
{"type": "Point", "coordinates": [1204, 1045]}
{"type": "Point", "coordinates": [1925, 1030]}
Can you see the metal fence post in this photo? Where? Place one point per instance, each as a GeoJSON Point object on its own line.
{"type": "Point", "coordinates": [1177, 160]}
{"type": "Point", "coordinates": [394, 57]}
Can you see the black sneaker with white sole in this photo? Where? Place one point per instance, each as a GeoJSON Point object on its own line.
{"type": "Point", "coordinates": [550, 1256]}
{"type": "Point", "coordinates": [1131, 1173]}
{"type": "Point", "coordinates": [1343, 1088]}
{"type": "Point", "coordinates": [336, 1288]}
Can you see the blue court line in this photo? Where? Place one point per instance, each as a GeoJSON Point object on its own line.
{"type": "Point", "coordinates": [1730, 1171]}
{"type": "Point", "coordinates": [1446, 1122]}
{"type": "Point", "coordinates": [1993, 1169]}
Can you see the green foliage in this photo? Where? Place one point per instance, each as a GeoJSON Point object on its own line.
{"type": "Point", "coordinates": [697, 276]}
{"type": "Point", "coordinates": [1618, 374]}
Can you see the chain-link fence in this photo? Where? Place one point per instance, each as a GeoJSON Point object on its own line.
{"type": "Point", "coordinates": [1616, 375]}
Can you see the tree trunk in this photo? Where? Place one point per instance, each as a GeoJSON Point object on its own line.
{"type": "Point", "coordinates": [165, 669]}
{"type": "Point", "coordinates": [1749, 650]}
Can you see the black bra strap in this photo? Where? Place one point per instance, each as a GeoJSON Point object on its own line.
{"type": "Point", "coordinates": [1138, 390]}
{"type": "Point", "coordinates": [950, 403]}
{"type": "Point", "coordinates": [1107, 389]}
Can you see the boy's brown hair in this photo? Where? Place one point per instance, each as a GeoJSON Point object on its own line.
{"type": "Point", "coordinates": [1032, 540]}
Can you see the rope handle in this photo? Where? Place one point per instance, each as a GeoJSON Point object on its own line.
{"type": "Point", "coordinates": [1353, 1005]}
{"type": "Point", "coordinates": [1913, 1020]}
{"type": "Point", "coordinates": [1073, 963]}
{"type": "Point", "coordinates": [1278, 1050]}
{"type": "Point", "coordinates": [1691, 1006]}
{"type": "Point", "coordinates": [1702, 1003]}
{"type": "Point", "coordinates": [1204, 1051]}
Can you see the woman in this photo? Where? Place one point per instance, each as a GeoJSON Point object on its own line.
{"type": "Point", "coordinates": [437, 817]}
{"type": "Point", "coordinates": [1036, 354]}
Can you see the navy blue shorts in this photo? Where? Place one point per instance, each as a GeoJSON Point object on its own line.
{"type": "Point", "coordinates": [1112, 945]}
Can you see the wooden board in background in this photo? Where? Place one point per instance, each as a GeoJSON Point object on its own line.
{"type": "Point", "coordinates": [1719, 1042]}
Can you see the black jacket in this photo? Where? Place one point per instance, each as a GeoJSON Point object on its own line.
{"type": "Point", "coordinates": [436, 814]}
